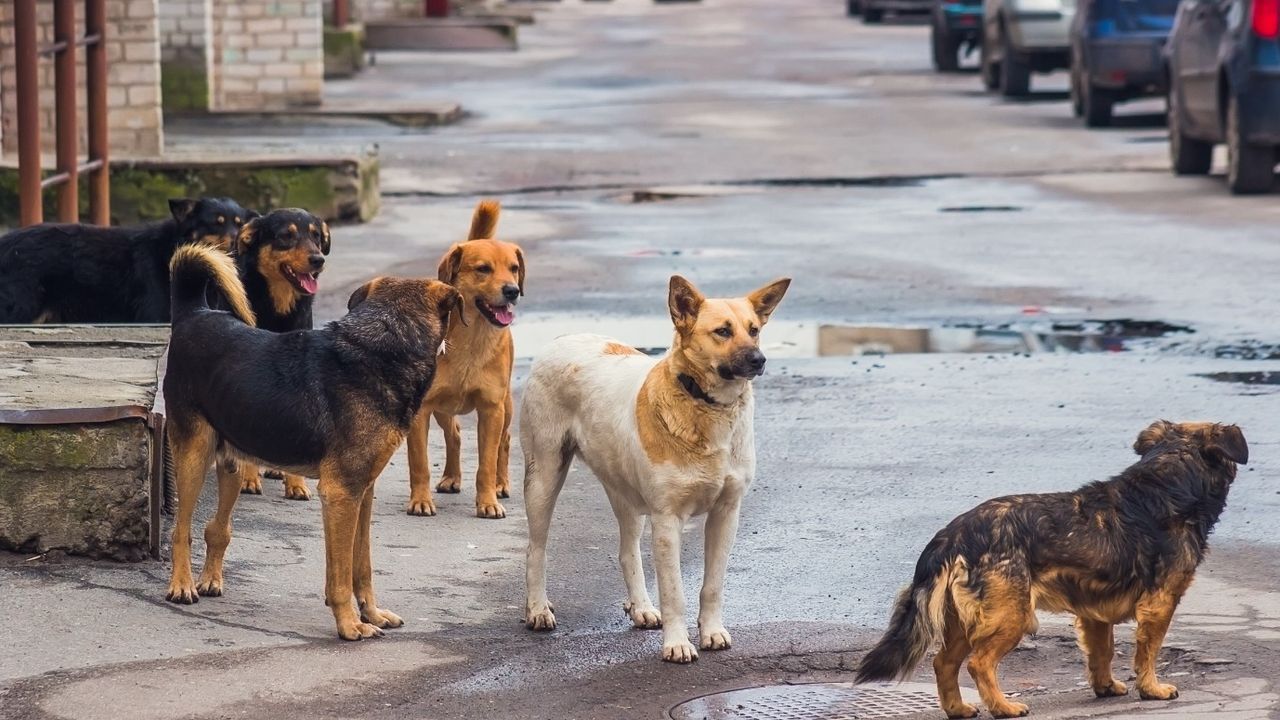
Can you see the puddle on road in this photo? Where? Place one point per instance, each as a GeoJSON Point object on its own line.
{"type": "Point", "coordinates": [815, 339]}
{"type": "Point", "coordinates": [1265, 377]}
{"type": "Point", "coordinates": [980, 208]}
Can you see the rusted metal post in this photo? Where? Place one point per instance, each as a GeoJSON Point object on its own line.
{"type": "Point", "coordinates": [30, 209]}
{"type": "Point", "coordinates": [436, 8]}
{"type": "Point", "coordinates": [95, 22]}
{"type": "Point", "coordinates": [67, 134]}
{"type": "Point", "coordinates": [341, 13]}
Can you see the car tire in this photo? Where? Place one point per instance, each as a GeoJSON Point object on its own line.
{"type": "Point", "coordinates": [989, 69]}
{"type": "Point", "coordinates": [946, 50]}
{"type": "Point", "coordinates": [1096, 104]}
{"type": "Point", "coordinates": [853, 8]}
{"type": "Point", "coordinates": [1015, 73]}
{"type": "Point", "coordinates": [872, 16]}
{"type": "Point", "coordinates": [1077, 102]}
{"type": "Point", "coordinates": [1188, 155]}
{"type": "Point", "coordinates": [1250, 168]}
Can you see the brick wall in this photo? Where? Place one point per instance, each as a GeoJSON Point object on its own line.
{"type": "Point", "coordinates": [266, 54]}
{"type": "Point", "coordinates": [133, 78]}
{"type": "Point", "coordinates": [185, 27]}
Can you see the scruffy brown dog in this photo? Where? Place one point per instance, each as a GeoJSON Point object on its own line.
{"type": "Point", "coordinates": [1117, 550]}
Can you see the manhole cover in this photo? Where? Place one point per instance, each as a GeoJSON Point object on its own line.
{"type": "Point", "coordinates": [817, 701]}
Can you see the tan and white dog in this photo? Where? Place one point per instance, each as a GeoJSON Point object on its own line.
{"type": "Point", "coordinates": [669, 439]}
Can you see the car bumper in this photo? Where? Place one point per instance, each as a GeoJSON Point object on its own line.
{"type": "Point", "coordinates": [1040, 26]}
{"type": "Point", "coordinates": [962, 19]}
{"type": "Point", "coordinates": [900, 6]}
{"type": "Point", "coordinates": [1260, 123]}
{"type": "Point", "coordinates": [1131, 62]}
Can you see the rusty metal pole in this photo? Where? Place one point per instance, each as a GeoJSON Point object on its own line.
{"type": "Point", "coordinates": [30, 208]}
{"type": "Point", "coordinates": [436, 8]}
{"type": "Point", "coordinates": [95, 21]}
{"type": "Point", "coordinates": [67, 134]}
{"type": "Point", "coordinates": [341, 13]}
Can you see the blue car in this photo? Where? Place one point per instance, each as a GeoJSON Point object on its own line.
{"type": "Point", "coordinates": [1224, 70]}
{"type": "Point", "coordinates": [956, 30]}
{"type": "Point", "coordinates": [1117, 54]}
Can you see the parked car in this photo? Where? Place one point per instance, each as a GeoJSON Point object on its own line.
{"type": "Point", "coordinates": [873, 10]}
{"type": "Point", "coordinates": [1224, 70]}
{"type": "Point", "coordinates": [1024, 36]}
{"type": "Point", "coordinates": [1117, 54]}
{"type": "Point", "coordinates": [956, 30]}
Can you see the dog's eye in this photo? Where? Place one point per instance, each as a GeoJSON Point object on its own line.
{"type": "Point", "coordinates": [754, 331]}
{"type": "Point", "coordinates": [484, 269]}
{"type": "Point", "coordinates": [723, 332]}
{"type": "Point", "coordinates": [515, 268]}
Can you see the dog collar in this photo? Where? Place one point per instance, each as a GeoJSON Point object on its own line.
{"type": "Point", "coordinates": [691, 386]}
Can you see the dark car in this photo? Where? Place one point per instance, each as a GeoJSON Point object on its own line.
{"type": "Point", "coordinates": [873, 11]}
{"type": "Point", "coordinates": [956, 30]}
{"type": "Point", "coordinates": [1117, 54]}
{"type": "Point", "coordinates": [1224, 67]}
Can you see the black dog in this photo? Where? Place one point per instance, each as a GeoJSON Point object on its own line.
{"type": "Point", "coordinates": [95, 274]}
{"type": "Point", "coordinates": [333, 403]}
{"type": "Point", "coordinates": [1122, 549]}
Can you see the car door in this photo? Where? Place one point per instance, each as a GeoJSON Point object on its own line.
{"type": "Point", "coordinates": [1197, 63]}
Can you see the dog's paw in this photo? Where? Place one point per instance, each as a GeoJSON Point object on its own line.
{"type": "Point", "coordinates": [643, 617]}
{"type": "Point", "coordinates": [425, 507]}
{"type": "Point", "coordinates": [251, 486]}
{"type": "Point", "coordinates": [681, 651]}
{"type": "Point", "coordinates": [964, 710]}
{"type": "Point", "coordinates": [504, 491]}
{"type": "Point", "coordinates": [1115, 689]}
{"type": "Point", "coordinates": [273, 474]}
{"type": "Point", "coordinates": [540, 617]}
{"type": "Point", "coordinates": [381, 617]}
{"type": "Point", "coordinates": [449, 485]}
{"type": "Point", "coordinates": [296, 490]}
{"type": "Point", "coordinates": [715, 639]}
{"type": "Point", "coordinates": [359, 631]}
{"type": "Point", "coordinates": [182, 592]}
{"type": "Point", "coordinates": [209, 587]}
{"type": "Point", "coordinates": [493, 510]}
{"type": "Point", "coordinates": [1009, 709]}
{"type": "Point", "coordinates": [1162, 691]}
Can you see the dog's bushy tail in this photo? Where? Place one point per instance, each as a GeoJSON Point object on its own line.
{"type": "Point", "coordinates": [917, 623]}
{"type": "Point", "coordinates": [484, 223]}
{"type": "Point", "coordinates": [191, 270]}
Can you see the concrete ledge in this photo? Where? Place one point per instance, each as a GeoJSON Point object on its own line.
{"type": "Point", "coordinates": [405, 114]}
{"type": "Point", "coordinates": [335, 188]}
{"type": "Point", "coordinates": [457, 33]}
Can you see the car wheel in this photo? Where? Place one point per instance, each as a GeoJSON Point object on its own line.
{"type": "Point", "coordinates": [1077, 103]}
{"type": "Point", "coordinates": [946, 51]}
{"type": "Point", "coordinates": [1188, 155]}
{"type": "Point", "coordinates": [872, 16]}
{"type": "Point", "coordinates": [990, 69]}
{"type": "Point", "coordinates": [1250, 168]}
{"type": "Point", "coordinates": [1015, 73]}
{"type": "Point", "coordinates": [1096, 104]}
{"type": "Point", "coordinates": [853, 8]}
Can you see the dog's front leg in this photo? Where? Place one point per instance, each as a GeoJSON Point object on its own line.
{"type": "Point", "coordinates": [217, 534]}
{"type": "Point", "coordinates": [722, 527]}
{"type": "Point", "coordinates": [191, 454]}
{"type": "Point", "coordinates": [491, 420]}
{"type": "Point", "coordinates": [666, 560]}
{"type": "Point", "coordinates": [341, 510]}
{"type": "Point", "coordinates": [362, 570]}
{"type": "Point", "coordinates": [504, 449]}
{"type": "Point", "coordinates": [1155, 612]}
{"type": "Point", "coordinates": [420, 502]}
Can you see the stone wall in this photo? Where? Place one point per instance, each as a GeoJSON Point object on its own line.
{"type": "Point", "coordinates": [133, 78]}
{"type": "Point", "coordinates": [266, 54]}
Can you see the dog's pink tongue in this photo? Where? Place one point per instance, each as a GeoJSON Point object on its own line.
{"type": "Point", "coordinates": [504, 314]}
{"type": "Point", "coordinates": [309, 282]}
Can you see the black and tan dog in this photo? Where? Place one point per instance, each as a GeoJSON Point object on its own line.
{"type": "Point", "coordinates": [333, 403]}
{"type": "Point", "coordinates": [279, 257]}
{"type": "Point", "coordinates": [94, 274]}
{"type": "Point", "coordinates": [1122, 549]}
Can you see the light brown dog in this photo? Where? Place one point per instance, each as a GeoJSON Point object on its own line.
{"type": "Point", "coordinates": [475, 372]}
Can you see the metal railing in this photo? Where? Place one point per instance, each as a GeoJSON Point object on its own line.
{"type": "Point", "coordinates": [63, 51]}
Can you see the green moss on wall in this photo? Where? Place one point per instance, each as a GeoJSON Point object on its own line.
{"type": "Point", "coordinates": [183, 86]}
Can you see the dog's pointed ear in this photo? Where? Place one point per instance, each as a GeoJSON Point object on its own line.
{"type": "Point", "coordinates": [450, 265]}
{"type": "Point", "coordinates": [180, 208]}
{"type": "Point", "coordinates": [767, 298]}
{"type": "Point", "coordinates": [1227, 442]}
{"type": "Point", "coordinates": [684, 301]}
{"type": "Point", "coordinates": [326, 242]}
{"type": "Point", "coordinates": [520, 274]}
{"type": "Point", "coordinates": [247, 236]}
{"type": "Point", "coordinates": [361, 294]}
{"type": "Point", "coordinates": [1151, 436]}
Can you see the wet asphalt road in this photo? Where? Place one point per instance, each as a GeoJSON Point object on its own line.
{"type": "Point", "coordinates": [816, 148]}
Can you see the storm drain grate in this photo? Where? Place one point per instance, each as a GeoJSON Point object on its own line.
{"type": "Point", "coordinates": [818, 701]}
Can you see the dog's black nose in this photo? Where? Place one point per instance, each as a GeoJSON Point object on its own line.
{"type": "Point", "coordinates": [756, 360]}
{"type": "Point", "coordinates": [316, 260]}
{"type": "Point", "coordinates": [510, 292]}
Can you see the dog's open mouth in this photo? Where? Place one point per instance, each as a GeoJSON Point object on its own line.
{"type": "Point", "coordinates": [308, 283]}
{"type": "Point", "coordinates": [500, 315]}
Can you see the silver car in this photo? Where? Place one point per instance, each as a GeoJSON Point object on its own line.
{"type": "Point", "coordinates": [1024, 36]}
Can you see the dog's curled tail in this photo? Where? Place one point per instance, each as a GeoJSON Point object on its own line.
{"type": "Point", "coordinates": [917, 623]}
{"type": "Point", "coordinates": [484, 222]}
{"type": "Point", "coordinates": [191, 270]}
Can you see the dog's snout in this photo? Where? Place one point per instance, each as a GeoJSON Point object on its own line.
{"type": "Point", "coordinates": [756, 360]}
{"type": "Point", "coordinates": [510, 292]}
{"type": "Point", "coordinates": [316, 260]}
